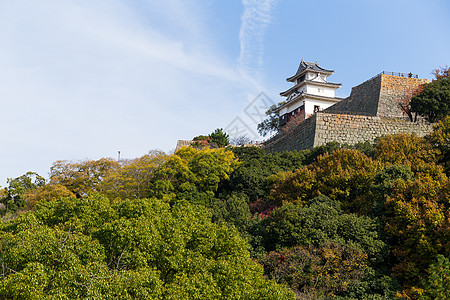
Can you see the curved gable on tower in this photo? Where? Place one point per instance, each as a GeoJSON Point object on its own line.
{"type": "Point", "coordinates": [308, 66]}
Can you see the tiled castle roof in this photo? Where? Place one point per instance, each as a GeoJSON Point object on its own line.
{"type": "Point", "coordinates": [308, 66]}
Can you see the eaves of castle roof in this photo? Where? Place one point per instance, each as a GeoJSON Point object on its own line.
{"type": "Point", "coordinates": [309, 96]}
{"type": "Point", "coordinates": [311, 82]}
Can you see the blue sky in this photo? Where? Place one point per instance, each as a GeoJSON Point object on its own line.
{"type": "Point", "coordinates": [85, 79]}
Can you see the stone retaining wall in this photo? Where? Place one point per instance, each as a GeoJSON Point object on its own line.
{"type": "Point", "coordinates": [379, 96]}
{"type": "Point", "coordinates": [393, 88]}
{"type": "Point", "coordinates": [352, 129]}
{"type": "Point", "coordinates": [300, 138]}
{"type": "Point", "coordinates": [343, 128]}
{"type": "Point", "coordinates": [363, 99]}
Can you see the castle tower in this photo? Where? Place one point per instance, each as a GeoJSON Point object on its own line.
{"type": "Point", "coordinates": [311, 93]}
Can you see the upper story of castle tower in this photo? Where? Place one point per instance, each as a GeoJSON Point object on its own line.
{"type": "Point", "coordinates": [311, 92]}
{"type": "Point", "coordinates": [311, 78]}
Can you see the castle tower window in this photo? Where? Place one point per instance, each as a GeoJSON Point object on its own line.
{"type": "Point", "coordinates": [316, 108]}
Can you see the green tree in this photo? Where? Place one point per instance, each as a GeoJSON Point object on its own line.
{"type": "Point", "coordinates": [251, 176]}
{"type": "Point", "coordinates": [14, 197]}
{"type": "Point", "coordinates": [233, 210]}
{"type": "Point", "coordinates": [255, 177]}
{"type": "Point", "coordinates": [219, 137]}
{"type": "Point", "coordinates": [270, 124]}
{"type": "Point", "coordinates": [312, 154]}
{"type": "Point", "coordinates": [440, 140]}
{"type": "Point", "coordinates": [321, 221]}
{"type": "Point", "coordinates": [433, 102]}
{"type": "Point", "coordinates": [385, 180]}
{"type": "Point", "coordinates": [437, 286]}
{"type": "Point", "coordinates": [41, 262]}
{"type": "Point", "coordinates": [245, 154]}
{"type": "Point", "coordinates": [319, 250]}
{"type": "Point", "coordinates": [193, 174]}
{"type": "Point", "coordinates": [383, 186]}
{"type": "Point", "coordinates": [95, 248]}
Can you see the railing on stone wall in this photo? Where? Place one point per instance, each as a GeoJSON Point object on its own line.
{"type": "Point", "coordinates": [408, 75]}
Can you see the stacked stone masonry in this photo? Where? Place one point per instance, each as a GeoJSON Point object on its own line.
{"type": "Point", "coordinates": [362, 100]}
{"type": "Point", "coordinates": [392, 89]}
{"type": "Point", "coordinates": [300, 138]}
{"type": "Point", "coordinates": [342, 128]}
{"type": "Point", "coordinates": [352, 129]}
{"type": "Point", "coordinates": [370, 111]}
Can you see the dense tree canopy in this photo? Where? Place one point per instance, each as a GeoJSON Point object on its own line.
{"type": "Point", "coordinates": [134, 249]}
{"type": "Point", "coordinates": [15, 195]}
{"type": "Point", "coordinates": [368, 221]}
{"type": "Point", "coordinates": [133, 178]}
{"type": "Point", "coordinates": [437, 287]}
{"type": "Point", "coordinates": [251, 176]}
{"type": "Point", "coordinates": [417, 220]}
{"type": "Point", "coordinates": [320, 222]}
{"type": "Point", "coordinates": [321, 243]}
{"type": "Point", "coordinates": [433, 102]}
{"type": "Point", "coordinates": [193, 174]}
{"type": "Point", "coordinates": [317, 272]}
{"type": "Point", "coordinates": [342, 175]}
{"type": "Point", "coordinates": [440, 139]}
{"type": "Point", "coordinates": [82, 177]}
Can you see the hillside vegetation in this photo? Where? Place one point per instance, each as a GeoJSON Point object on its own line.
{"type": "Point", "coordinates": [333, 222]}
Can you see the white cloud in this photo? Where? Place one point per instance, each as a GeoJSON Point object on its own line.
{"type": "Point", "coordinates": [255, 20]}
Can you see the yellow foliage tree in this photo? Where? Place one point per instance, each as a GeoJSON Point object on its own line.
{"type": "Point", "coordinates": [417, 224]}
{"type": "Point", "coordinates": [83, 177]}
{"type": "Point", "coordinates": [48, 192]}
{"type": "Point", "coordinates": [133, 178]}
{"type": "Point", "coordinates": [342, 175]}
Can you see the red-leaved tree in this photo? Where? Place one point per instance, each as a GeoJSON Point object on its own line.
{"type": "Point", "coordinates": [442, 72]}
{"type": "Point", "coordinates": [404, 102]}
